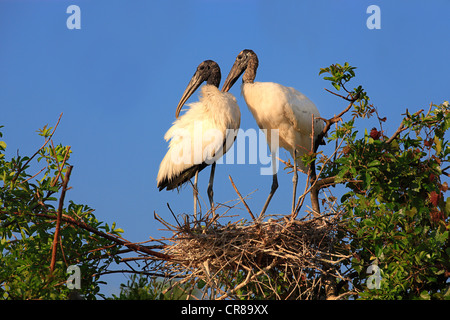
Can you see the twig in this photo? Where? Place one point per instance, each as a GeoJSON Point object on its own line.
{"type": "Point", "coordinates": [168, 206]}
{"type": "Point", "coordinates": [58, 218]}
{"type": "Point", "coordinates": [341, 96]}
{"type": "Point", "coordinates": [336, 118]}
{"type": "Point", "coordinates": [31, 158]}
{"type": "Point", "coordinates": [249, 278]}
{"type": "Point", "coordinates": [242, 199]}
{"type": "Point", "coordinates": [32, 176]}
{"type": "Point", "coordinates": [60, 167]}
{"type": "Point", "coordinates": [154, 274]}
{"type": "Point", "coordinates": [99, 233]}
{"type": "Point", "coordinates": [301, 199]}
{"type": "Point", "coordinates": [400, 129]}
{"type": "Point", "coordinates": [158, 218]}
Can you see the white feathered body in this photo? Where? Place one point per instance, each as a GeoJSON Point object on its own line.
{"type": "Point", "coordinates": [275, 106]}
{"type": "Point", "coordinates": [200, 134]}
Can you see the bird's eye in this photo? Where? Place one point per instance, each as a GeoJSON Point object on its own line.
{"type": "Point", "coordinates": [239, 57]}
{"type": "Point", "coordinates": [202, 67]}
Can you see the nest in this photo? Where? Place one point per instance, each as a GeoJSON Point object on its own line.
{"type": "Point", "coordinates": [280, 258]}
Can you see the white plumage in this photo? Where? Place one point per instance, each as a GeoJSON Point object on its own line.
{"type": "Point", "coordinates": [202, 134]}
{"type": "Point", "coordinates": [278, 107]}
{"type": "Point", "coordinates": [198, 134]}
{"type": "Point", "coordinates": [275, 106]}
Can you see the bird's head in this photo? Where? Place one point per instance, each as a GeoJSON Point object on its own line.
{"type": "Point", "coordinates": [246, 59]}
{"type": "Point", "coordinates": [208, 71]}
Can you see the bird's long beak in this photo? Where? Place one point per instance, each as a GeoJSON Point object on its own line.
{"type": "Point", "coordinates": [235, 72]}
{"type": "Point", "coordinates": [193, 85]}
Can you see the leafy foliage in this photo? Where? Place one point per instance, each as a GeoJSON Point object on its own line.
{"type": "Point", "coordinates": [394, 225]}
{"type": "Point", "coordinates": [396, 215]}
{"type": "Point", "coordinates": [139, 287]}
{"type": "Point", "coordinates": [28, 213]}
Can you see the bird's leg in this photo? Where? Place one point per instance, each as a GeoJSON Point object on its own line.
{"type": "Point", "coordinates": [314, 191]}
{"type": "Point", "coordinates": [294, 181]}
{"type": "Point", "coordinates": [195, 196]}
{"type": "Point", "coordinates": [210, 188]}
{"type": "Point", "coordinates": [274, 185]}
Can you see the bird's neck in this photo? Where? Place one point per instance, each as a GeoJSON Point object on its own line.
{"type": "Point", "coordinates": [214, 79]}
{"type": "Point", "coordinates": [250, 73]}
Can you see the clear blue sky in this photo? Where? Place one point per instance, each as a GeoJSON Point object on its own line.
{"type": "Point", "coordinates": [118, 80]}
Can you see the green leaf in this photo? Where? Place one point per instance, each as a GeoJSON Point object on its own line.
{"type": "Point", "coordinates": [438, 144]}
{"type": "Point", "coordinates": [337, 86]}
{"type": "Point", "coordinates": [374, 163]}
{"type": "Point", "coordinates": [441, 237]}
{"type": "Point", "coordinates": [424, 295]}
{"type": "Point", "coordinates": [323, 70]}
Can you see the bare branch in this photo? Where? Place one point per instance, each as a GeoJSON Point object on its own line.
{"type": "Point", "coordinates": [400, 129]}
{"type": "Point", "coordinates": [242, 199]}
{"type": "Point", "coordinates": [85, 226]}
{"type": "Point", "coordinates": [58, 218]}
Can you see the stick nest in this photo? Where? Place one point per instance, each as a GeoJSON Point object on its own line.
{"type": "Point", "coordinates": [248, 259]}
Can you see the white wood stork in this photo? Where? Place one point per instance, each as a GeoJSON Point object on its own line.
{"type": "Point", "coordinates": [201, 135]}
{"type": "Point", "coordinates": [277, 107]}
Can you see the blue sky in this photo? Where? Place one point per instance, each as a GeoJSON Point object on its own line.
{"type": "Point", "coordinates": [118, 80]}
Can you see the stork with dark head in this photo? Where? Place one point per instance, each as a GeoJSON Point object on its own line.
{"type": "Point", "coordinates": [202, 134]}
{"type": "Point", "coordinates": [275, 106]}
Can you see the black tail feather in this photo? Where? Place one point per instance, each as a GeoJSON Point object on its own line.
{"type": "Point", "coordinates": [182, 178]}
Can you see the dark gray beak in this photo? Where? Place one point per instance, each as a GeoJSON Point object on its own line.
{"type": "Point", "coordinates": [236, 71]}
{"type": "Point", "coordinates": [193, 85]}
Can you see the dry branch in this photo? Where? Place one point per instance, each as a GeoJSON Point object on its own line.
{"type": "Point", "coordinates": [242, 199]}
{"type": "Point", "coordinates": [58, 218]}
{"type": "Point", "coordinates": [81, 224]}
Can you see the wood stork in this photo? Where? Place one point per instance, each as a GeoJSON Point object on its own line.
{"type": "Point", "coordinates": [202, 134]}
{"type": "Point", "coordinates": [277, 107]}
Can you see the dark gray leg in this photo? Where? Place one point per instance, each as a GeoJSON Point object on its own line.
{"type": "Point", "coordinates": [210, 186]}
{"type": "Point", "coordinates": [294, 181]}
{"type": "Point", "coordinates": [274, 185]}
